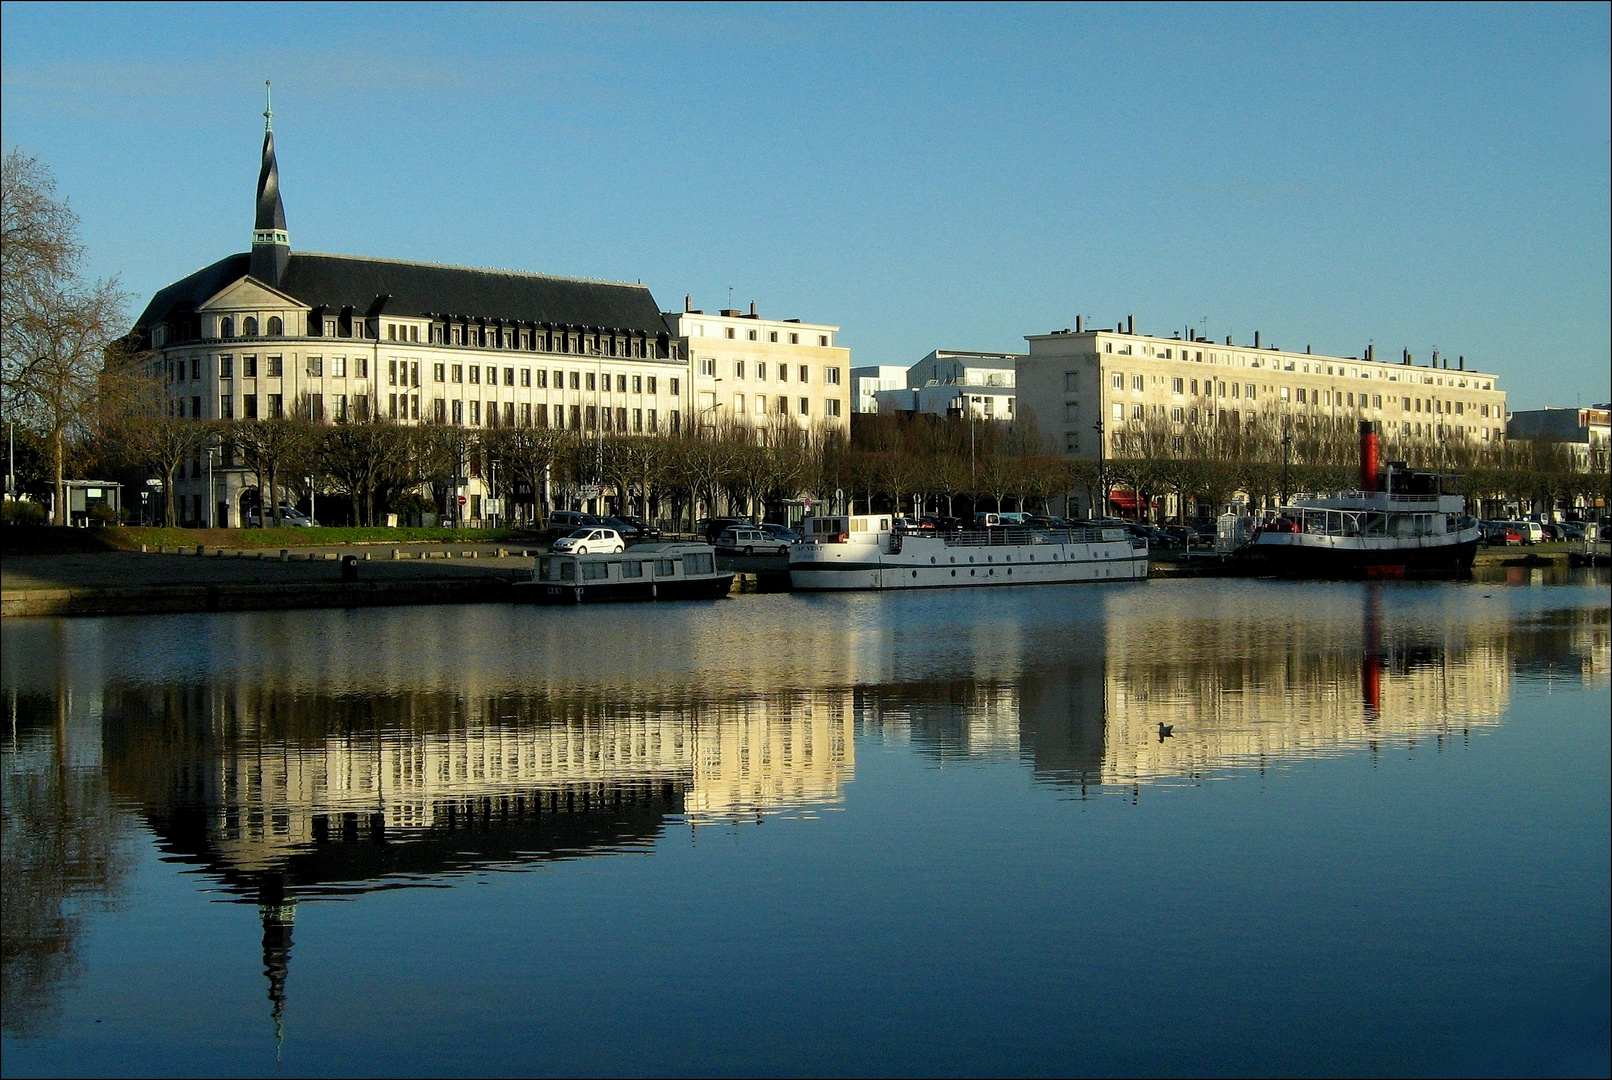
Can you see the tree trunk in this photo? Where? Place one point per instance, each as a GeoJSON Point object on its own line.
{"type": "Point", "coordinates": [169, 518]}
{"type": "Point", "coordinates": [57, 466]}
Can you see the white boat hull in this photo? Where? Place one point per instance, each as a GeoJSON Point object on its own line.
{"type": "Point", "coordinates": [932, 563]}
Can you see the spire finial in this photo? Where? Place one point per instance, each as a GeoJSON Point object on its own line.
{"type": "Point", "coordinates": [268, 106]}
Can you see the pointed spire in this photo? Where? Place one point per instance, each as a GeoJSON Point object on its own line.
{"type": "Point", "coordinates": [268, 106]}
{"type": "Point", "coordinates": [271, 244]}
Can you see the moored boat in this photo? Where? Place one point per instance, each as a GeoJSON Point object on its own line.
{"type": "Point", "coordinates": [676, 571]}
{"type": "Point", "coordinates": [865, 552]}
{"type": "Point", "coordinates": [1399, 523]}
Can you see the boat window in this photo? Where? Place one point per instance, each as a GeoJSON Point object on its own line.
{"type": "Point", "coordinates": [665, 567]}
{"type": "Point", "coordinates": [568, 570]}
{"type": "Point", "coordinates": [543, 569]}
{"type": "Point", "coordinates": [859, 524]}
{"type": "Point", "coordinates": [595, 571]}
{"type": "Point", "coordinates": [632, 569]}
{"type": "Point", "coordinates": [884, 523]}
{"type": "Point", "coordinates": [697, 563]}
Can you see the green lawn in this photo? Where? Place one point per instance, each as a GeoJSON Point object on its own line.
{"type": "Point", "coordinates": [130, 539]}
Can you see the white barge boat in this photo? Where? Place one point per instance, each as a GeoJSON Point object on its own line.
{"type": "Point", "coordinates": [643, 572]}
{"type": "Point", "coordinates": [864, 552]}
{"type": "Point", "coordinates": [1398, 524]}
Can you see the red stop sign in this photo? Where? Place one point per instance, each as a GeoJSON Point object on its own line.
{"type": "Point", "coordinates": [461, 500]}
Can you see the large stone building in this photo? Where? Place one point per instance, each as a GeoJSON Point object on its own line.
{"type": "Point", "coordinates": [1089, 389]}
{"type": "Point", "coordinates": [275, 332]}
{"type": "Point", "coordinates": [753, 371]}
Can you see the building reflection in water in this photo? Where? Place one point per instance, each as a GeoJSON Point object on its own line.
{"type": "Point", "coordinates": [284, 782]}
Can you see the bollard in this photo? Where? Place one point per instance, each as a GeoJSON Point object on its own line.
{"type": "Point", "coordinates": [471, 553]}
{"type": "Point", "coordinates": [366, 556]}
{"type": "Point", "coordinates": [447, 554]}
{"type": "Point", "coordinates": [142, 549]}
{"type": "Point", "coordinates": [219, 553]}
{"type": "Point", "coordinates": [502, 552]}
{"type": "Point", "coordinates": [395, 555]}
{"type": "Point", "coordinates": [285, 556]}
{"type": "Point", "coordinates": [349, 567]}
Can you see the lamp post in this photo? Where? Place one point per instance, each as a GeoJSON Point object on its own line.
{"type": "Point", "coordinates": [212, 493]}
{"type": "Point", "coordinates": [1287, 447]}
{"type": "Point", "coordinates": [1102, 467]}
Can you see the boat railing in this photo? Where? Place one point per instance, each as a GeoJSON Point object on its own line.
{"type": "Point", "coordinates": [1320, 521]}
{"type": "Point", "coordinates": [1005, 537]}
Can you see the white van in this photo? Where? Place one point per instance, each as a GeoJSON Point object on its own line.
{"type": "Point", "coordinates": [1532, 531]}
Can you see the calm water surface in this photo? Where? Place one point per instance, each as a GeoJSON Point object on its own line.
{"type": "Point", "coordinates": [1203, 827]}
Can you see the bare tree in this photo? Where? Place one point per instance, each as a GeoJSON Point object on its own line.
{"type": "Point", "coordinates": [55, 327]}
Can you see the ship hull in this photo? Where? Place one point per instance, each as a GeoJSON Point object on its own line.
{"type": "Point", "coordinates": [1303, 556]}
{"type": "Point", "coordinates": [704, 588]}
{"type": "Point", "coordinates": [928, 563]}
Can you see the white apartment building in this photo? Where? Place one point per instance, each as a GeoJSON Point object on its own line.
{"type": "Point", "coordinates": [1088, 388]}
{"type": "Point", "coordinates": [950, 382]}
{"type": "Point", "coordinates": [868, 381]}
{"type": "Point", "coordinates": [1586, 434]}
{"type": "Point", "coordinates": [754, 371]}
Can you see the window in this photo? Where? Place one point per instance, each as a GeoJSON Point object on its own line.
{"type": "Point", "coordinates": [226, 366]}
{"type": "Point", "coordinates": [542, 378]}
{"type": "Point", "coordinates": [783, 372]}
{"type": "Point", "coordinates": [805, 406]}
{"type": "Point", "coordinates": [226, 407]}
{"type": "Point", "coordinates": [1136, 384]}
{"type": "Point", "coordinates": [752, 335]}
{"type": "Point", "coordinates": [831, 407]}
{"type": "Point", "coordinates": [509, 413]}
{"type": "Point", "coordinates": [783, 406]}
{"type": "Point", "coordinates": [675, 383]}
{"type": "Point", "coordinates": [248, 367]}
{"type": "Point", "coordinates": [316, 366]}
{"type": "Point", "coordinates": [649, 382]}
{"type": "Point", "coordinates": [593, 381]}
{"type": "Point", "coordinates": [621, 384]}
{"type": "Point", "coordinates": [276, 407]}
{"type": "Point", "coordinates": [475, 374]}
{"type": "Point", "coordinates": [458, 373]}
{"type": "Point", "coordinates": [338, 407]}
{"type": "Point", "coordinates": [509, 377]}
{"type": "Point", "coordinates": [276, 367]}
{"type": "Point", "coordinates": [822, 340]}
{"type": "Point", "coordinates": [1287, 394]}
{"type": "Point", "coordinates": [652, 426]}
{"type": "Point", "coordinates": [772, 336]}
{"type": "Point", "coordinates": [761, 371]}
{"type": "Point", "coordinates": [707, 365]}
{"type": "Point", "coordinates": [1119, 412]}
{"type": "Point", "coordinates": [1377, 401]}
{"type": "Point", "coordinates": [1117, 380]}
{"type": "Point", "coordinates": [249, 406]}
{"type": "Point", "coordinates": [226, 327]}
{"type": "Point", "coordinates": [276, 327]}
{"type": "Point", "coordinates": [738, 369]}
{"type": "Point", "coordinates": [338, 367]}
{"type": "Point", "coordinates": [804, 373]}
{"type": "Point", "coordinates": [738, 403]}
{"type": "Point", "coordinates": [1177, 385]}
{"type": "Point", "coordinates": [729, 332]}
{"type": "Point", "coordinates": [831, 376]}
{"type": "Point", "coordinates": [1136, 412]}
{"type": "Point", "coordinates": [794, 339]}
{"type": "Point", "coordinates": [249, 326]}
{"type": "Point", "coordinates": [1177, 414]}
{"type": "Point", "coordinates": [761, 404]}
{"type": "Point", "coordinates": [195, 368]}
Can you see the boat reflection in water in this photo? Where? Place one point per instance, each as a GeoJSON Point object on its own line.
{"type": "Point", "coordinates": [284, 769]}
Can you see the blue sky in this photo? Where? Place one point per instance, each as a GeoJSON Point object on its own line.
{"type": "Point", "coordinates": [924, 177]}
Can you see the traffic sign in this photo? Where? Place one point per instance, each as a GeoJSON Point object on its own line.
{"type": "Point", "coordinates": [462, 500]}
{"type": "Point", "coordinates": [589, 491]}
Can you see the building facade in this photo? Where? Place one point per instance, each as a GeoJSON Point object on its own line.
{"type": "Point", "coordinates": [1090, 389]}
{"type": "Point", "coordinates": [1586, 434]}
{"type": "Point", "coordinates": [868, 381]}
{"type": "Point", "coordinates": [950, 382]}
{"type": "Point", "coordinates": [275, 333]}
{"type": "Point", "coordinates": [753, 371]}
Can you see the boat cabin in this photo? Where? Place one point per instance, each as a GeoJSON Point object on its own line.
{"type": "Point", "coordinates": [842, 530]}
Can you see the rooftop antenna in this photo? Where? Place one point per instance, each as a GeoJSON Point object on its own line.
{"type": "Point", "coordinates": [268, 106]}
{"type": "Point", "coordinates": [730, 297]}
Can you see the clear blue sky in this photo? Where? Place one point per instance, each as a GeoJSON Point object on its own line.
{"type": "Point", "coordinates": [921, 176]}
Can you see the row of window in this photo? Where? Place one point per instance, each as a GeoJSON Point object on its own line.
{"type": "Point", "coordinates": [1278, 363]}
{"type": "Point", "coordinates": [1304, 395]}
{"type": "Point", "coordinates": [763, 405]}
{"type": "Point", "coordinates": [732, 334]}
{"type": "Point", "coordinates": [743, 369]}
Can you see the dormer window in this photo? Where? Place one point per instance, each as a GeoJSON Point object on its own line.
{"type": "Point", "coordinates": [276, 326]}
{"type": "Point", "coordinates": [226, 327]}
{"type": "Point", "coordinates": [249, 326]}
{"type": "Point", "coordinates": [330, 328]}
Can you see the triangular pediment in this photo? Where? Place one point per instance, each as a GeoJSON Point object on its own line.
{"type": "Point", "coordinates": [249, 294]}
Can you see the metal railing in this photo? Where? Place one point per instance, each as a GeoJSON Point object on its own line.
{"type": "Point", "coordinates": [1025, 535]}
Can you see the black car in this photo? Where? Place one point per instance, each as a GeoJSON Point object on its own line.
{"type": "Point", "coordinates": [634, 530]}
{"type": "Point", "coordinates": [563, 522]}
{"type": "Point", "coordinates": [711, 528]}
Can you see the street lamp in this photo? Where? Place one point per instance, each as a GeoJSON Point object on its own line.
{"type": "Point", "coordinates": [1287, 446]}
{"type": "Point", "coordinates": [1102, 467]}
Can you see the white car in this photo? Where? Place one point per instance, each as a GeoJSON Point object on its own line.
{"type": "Point", "coordinates": [583, 541]}
{"type": "Point", "coordinates": [747, 540]}
{"type": "Point", "coordinates": [290, 516]}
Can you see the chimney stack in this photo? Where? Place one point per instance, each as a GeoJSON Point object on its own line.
{"type": "Point", "coordinates": [1256, 339]}
{"type": "Point", "coordinates": [1461, 363]}
{"type": "Point", "coordinates": [688, 302]}
{"type": "Point", "coordinates": [1130, 324]}
{"type": "Point", "coordinates": [1370, 443]}
{"type": "Point", "coordinates": [752, 309]}
{"type": "Point", "coordinates": [1407, 358]}
{"type": "Point", "coordinates": [1435, 358]}
{"type": "Point", "coordinates": [1371, 352]}
{"type": "Point", "coordinates": [1077, 324]}
{"type": "Point", "coordinates": [1228, 339]}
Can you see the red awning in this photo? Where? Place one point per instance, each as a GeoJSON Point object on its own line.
{"type": "Point", "coordinates": [1125, 500]}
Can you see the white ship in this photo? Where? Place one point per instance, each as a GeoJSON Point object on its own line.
{"type": "Point", "coordinates": [866, 553]}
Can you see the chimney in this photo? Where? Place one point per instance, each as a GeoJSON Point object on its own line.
{"type": "Point", "coordinates": [1407, 358]}
{"type": "Point", "coordinates": [1461, 363]}
{"type": "Point", "coordinates": [1077, 324]}
{"type": "Point", "coordinates": [1130, 324]}
{"type": "Point", "coordinates": [1370, 443]}
{"type": "Point", "coordinates": [1256, 339]}
{"type": "Point", "coordinates": [752, 309]}
{"type": "Point", "coordinates": [688, 302]}
{"type": "Point", "coordinates": [1371, 352]}
{"type": "Point", "coordinates": [1228, 339]}
{"type": "Point", "coordinates": [1435, 358]}
{"type": "Point", "coordinates": [1306, 350]}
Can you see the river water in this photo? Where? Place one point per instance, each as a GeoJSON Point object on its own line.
{"type": "Point", "coordinates": [1227, 827]}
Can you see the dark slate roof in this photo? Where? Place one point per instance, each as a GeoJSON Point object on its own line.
{"type": "Point", "coordinates": [427, 289]}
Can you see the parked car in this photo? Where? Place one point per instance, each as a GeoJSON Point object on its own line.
{"type": "Point", "coordinates": [711, 528]}
{"type": "Point", "coordinates": [289, 515]}
{"type": "Point", "coordinates": [1500, 533]}
{"type": "Point", "coordinates": [942, 523]}
{"type": "Point", "coordinates": [635, 529]}
{"type": "Point", "coordinates": [562, 522]}
{"type": "Point", "coordinates": [1532, 531]}
{"type": "Point", "coordinates": [585, 541]}
{"type": "Point", "coordinates": [748, 540]}
{"type": "Point", "coordinates": [1573, 530]}
{"type": "Point", "coordinates": [780, 532]}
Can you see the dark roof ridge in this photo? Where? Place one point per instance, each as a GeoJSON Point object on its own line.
{"type": "Point", "coordinates": [471, 269]}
